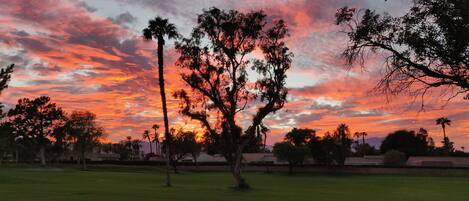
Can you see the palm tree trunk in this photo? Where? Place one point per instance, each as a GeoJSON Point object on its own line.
{"type": "Point", "coordinates": [363, 139]}
{"type": "Point", "coordinates": [165, 111]}
{"type": "Point", "coordinates": [444, 131]}
{"type": "Point", "coordinates": [151, 149]}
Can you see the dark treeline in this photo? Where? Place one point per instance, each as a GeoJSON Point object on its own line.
{"type": "Point", "coordinates": [333, 148]}
{"type": "Point", "coordinates": [38, 128]}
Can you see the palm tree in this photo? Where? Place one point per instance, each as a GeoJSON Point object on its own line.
{"type": "Point", "coordinates": [146, 136]}
{"type": "Point", "coordinates": [363, 134]}
{"type": "Point", "coordinates": [357, 135]}
{"type": "Point", "coordinates": [158, 29]}
{"type": "Point", "coordinates": [342, 135]}
{"type": "Point", "coordinates": [443, 121]}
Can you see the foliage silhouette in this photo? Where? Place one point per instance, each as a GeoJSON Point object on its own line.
{"type": "Point", "coordinates": [408, 142]}
{"type": "Point", "coordinates": [215, 59]}
{"type": "Point", "coordinates": [36, 120]}
{"type": "Point", "coordinates": [300, 136]}
{"type": "Point", "coordinates": [293, 154]}
{"type": "Point", "coordinates": [85, 132]}
{"type": "Point", "coordinates": [427, 47]}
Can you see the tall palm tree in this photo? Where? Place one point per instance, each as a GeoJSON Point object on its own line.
{"type": "Point", "coordinates": [443, 121]}
{"type": "Point", "coordinates": [146, 136]}
{"type": "Point", "coordinates": [158, 29]}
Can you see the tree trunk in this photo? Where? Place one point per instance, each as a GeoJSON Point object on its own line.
{"type": "Point", "coordinates": [239, 182]}
{"type": "Point", "coordinates": [83, 157]}
{"type": "Point", "coordinates": [165, 111]}
{"type": "Point", "coordinates": [151, 148]}
{"type": "Point", "coordinates": [195, 161]}
{"type": "Point", "coordinates": [363, 139]}
{"type": "Point", "coordinates": [17, 156]}
{"type": "Point", "coordinates": [444, 132]}
{"type": "Point", "coordinates": [42, 153]}
{"type": "Point", "coordinates": [175, 167]}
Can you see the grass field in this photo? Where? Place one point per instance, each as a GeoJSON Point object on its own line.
{"type": "Point", "coordinates": [140, 184]}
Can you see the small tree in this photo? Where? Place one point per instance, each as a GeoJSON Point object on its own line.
{"type": "Point", "coordinates": [185, 144]}
{"type": "Point", "coordinates": [86, 133]}
{"type": "Point", "coordinates": [344, 142]}
{"type": "Point", "coordinates": [324, 150]}
{"type": "Point", "coordinates": [443, 121]}
{"type": "Point", "coordinates": [294, 155]}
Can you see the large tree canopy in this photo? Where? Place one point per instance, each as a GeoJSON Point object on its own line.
{"type": "Point", "coordinates": [216, 60]}
{"type": "Point", "coordinates": [36, 120]}
{"type": "Point", "coordinates": [427, 47]}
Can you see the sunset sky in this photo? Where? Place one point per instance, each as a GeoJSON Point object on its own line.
{"type": "Point", "coordinates": [89, 55]}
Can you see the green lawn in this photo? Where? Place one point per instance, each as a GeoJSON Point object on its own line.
{"type": "Point", "coordinates": [139, 184]}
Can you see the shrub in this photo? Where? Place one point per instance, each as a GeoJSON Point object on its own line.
{"type": "Point", "coordinates": [294, 155]}
{"type": "Point", "coordinates": [394, 158]}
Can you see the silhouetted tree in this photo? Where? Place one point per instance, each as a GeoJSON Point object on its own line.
{"type": "Point", "coordinates": [136, 146]}
{"type": "Point", "coordinates": [5, 130]}
{"type": "Point", "coordinates": [86, 133]}
{"type": "Point", "coordinates": [5, 75]}
{"type": "Point", "coordinates": [185, 144]}
{"type": "Point", "coordinates": [407, 142]}
{"type": "Point", "coordinates": [62, 140]}
{"type": "Point", "coordinates": [422, 136]}
{"type": "Point", "coordinates": [324, 150]}
{"type": "Point", "coordinates": [294, 155]}
{"type": "Point", "coordinates": [146, 136]}
{"type": "Point", "coordinates": [342, 138]}
{"type": "Point", "coordinates": [300, 136]}
{"type": "Point", "coordinates": [427, 47]}
{"type": "Point", "coordinates": [159, 29]}
{"type": "Point", "coordinates": [215, 60]}
{"type": "Point", "coordinates": [443, 121]}
{"type": "Point", "coordinates": [36, 119]}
